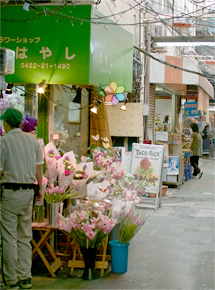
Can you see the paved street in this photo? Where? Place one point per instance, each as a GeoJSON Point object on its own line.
{"type": "Point", "coordinates": [173, 250]}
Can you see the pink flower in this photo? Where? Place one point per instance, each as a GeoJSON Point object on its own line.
{"type": "Point", "coordinates": [61, 190]}
{"type": "Point", "coordinates": [57, 157]}
{"type": "Point", "coordinates": [84, 175]}
{"type": "Point", "coordinates": [49, 190]}
{"type": "Point", "coordinates": [113, 181]}
{"type": "Point", "coordinates": [66, 172]}
{"type": "Point", "coordinates": [82, 215]}
{"type": "Point", "coordinates": [91, 235]}
{"type": "Point", "coordinates": [87, 227]}
{"type": "Point", "coordinates": [56, 189]}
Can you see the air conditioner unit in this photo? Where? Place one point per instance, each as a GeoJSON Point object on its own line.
{"type": "Point", "coordinates": [7, 60]}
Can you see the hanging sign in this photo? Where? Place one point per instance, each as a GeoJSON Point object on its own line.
{"type": "Point", "coordinates": [48, 43]}
{"type": "Point", "coordinates": [61, 45]}
{"type": "Point", "coordinates": [190, 109]}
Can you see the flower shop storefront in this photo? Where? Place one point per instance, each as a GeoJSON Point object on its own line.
{"type": "Point", "coordinates": [87, 55]}
{"type": "Point", "coordinates": [85, 197]}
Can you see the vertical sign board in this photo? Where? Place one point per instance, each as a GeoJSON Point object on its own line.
{"type": "Point", "coordinates": [147, 163]}
{"type": "Point", "coordinates": [111, 51]}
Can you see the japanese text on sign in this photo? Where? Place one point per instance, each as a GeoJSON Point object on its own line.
{"type": "Point", "coordinates": [21, 53]}
{"type": "Point", "coordinates": [7, 39]}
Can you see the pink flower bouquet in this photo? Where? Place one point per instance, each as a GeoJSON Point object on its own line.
{"type": "Point", "coordinates": [58, 194]}
{"type": "Point", "coordinates": [88, 228]}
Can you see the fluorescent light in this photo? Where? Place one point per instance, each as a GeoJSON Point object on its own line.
{"type": "Point", "coordinates": [185, 43]}
{"type": "Point", "coordinates": [211, 109]}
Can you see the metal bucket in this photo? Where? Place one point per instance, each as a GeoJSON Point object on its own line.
{"type": "Point", "coordinates": [52, 213]}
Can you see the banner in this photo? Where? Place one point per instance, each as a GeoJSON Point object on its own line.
{"type": "Point", "coordinates": [190, 109]}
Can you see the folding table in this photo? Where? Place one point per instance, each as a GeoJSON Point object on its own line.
{"type": "Point", "coordinates": [45, 233]}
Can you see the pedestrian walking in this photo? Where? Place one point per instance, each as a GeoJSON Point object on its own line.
{"type": "Point", "coordinates": [20, 165]}
{"type": "Point", "coordinates": [206, 133]}
{"type": "Point", "coordinates": [196, 146]}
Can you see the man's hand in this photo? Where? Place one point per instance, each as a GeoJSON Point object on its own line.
{"type": "Point", "coordinates": [39, 197]}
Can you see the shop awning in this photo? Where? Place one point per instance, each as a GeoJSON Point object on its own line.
{"type": "Point", "coordinates": [66, 45]}
{"type": "Point", "coordinates": [178, 81]}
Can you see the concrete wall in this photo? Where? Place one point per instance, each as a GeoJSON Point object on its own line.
{"type": "Point", "coordinates": [127, 123]}
{"type": "Point", "coordinates": [123, 13]}
{"type": "Point", "coordinates": [164, 107]}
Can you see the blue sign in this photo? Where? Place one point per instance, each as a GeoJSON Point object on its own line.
{"type": "Point", "coordinates": [190, 109]}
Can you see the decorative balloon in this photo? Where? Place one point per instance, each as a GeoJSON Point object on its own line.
{"type": "Point", "coordinates": [113, 93]}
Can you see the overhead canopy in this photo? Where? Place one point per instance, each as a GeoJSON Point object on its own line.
{"type": "Point", "coordinates": [178, 81]}
{"type": "Point", "coordinates": [62, 46]}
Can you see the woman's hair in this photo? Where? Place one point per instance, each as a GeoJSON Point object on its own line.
{"type": "Point", "coordinates": [207, 126]}
{"type": "Point", "coordinates": [195, 127]}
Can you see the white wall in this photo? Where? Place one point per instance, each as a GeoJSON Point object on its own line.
{"type": "Point", "coordinates": [164, 107]}
{"type": "Point", "coordinates": [122, 14]}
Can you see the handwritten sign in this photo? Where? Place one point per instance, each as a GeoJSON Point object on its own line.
{"type": "Point", "coordinates": [161, 136]}
{"type": "Point", "coordinates": [190, 109]}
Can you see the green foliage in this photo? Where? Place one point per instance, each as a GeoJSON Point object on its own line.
{"type": "Point", "coordinates": [59, 197]}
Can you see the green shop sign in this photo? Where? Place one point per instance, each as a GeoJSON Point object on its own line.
{"type": "Point", "coordinates": [63, 46]}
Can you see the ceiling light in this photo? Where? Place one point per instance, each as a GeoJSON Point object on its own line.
{"type": "Point", "coordinates": [123, 107]}
{"type": "Point", "coordinates": [211, 109]}
{"type": "Point", "coordinates": [41, 88]}
{"type": "Point", "coordinates": [162, 44]}
{"type": "Point", "coordinates": [94, 109]}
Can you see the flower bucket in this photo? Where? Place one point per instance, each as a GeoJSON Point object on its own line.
{"type": "Point", "coordinates": [89, 256]}
{"type": "Point", "coordinates": [52, 213]}
{"type": "Point", "coordinates": [119, 256]}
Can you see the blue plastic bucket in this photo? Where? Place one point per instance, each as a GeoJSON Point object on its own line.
{"type": "Point", "coordinates": [119, 256]}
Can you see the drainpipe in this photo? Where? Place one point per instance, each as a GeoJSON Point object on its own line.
{"type": "Point", "coordinates": [174, 113]}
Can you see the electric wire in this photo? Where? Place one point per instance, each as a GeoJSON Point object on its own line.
{"type": "Point", "coordinates": [169, 64]}
{"type": "Point", "coordinates": [95, 21]}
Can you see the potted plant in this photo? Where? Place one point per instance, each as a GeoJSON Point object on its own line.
{"type": "Point", "coordinates": [88, 228]}
{"type": "Point", "coordinates": [131, 223]}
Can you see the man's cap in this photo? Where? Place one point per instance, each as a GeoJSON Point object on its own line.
{"type": "Point", "coordinates": [12, 116]}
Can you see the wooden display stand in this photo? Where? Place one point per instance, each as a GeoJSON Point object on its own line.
{"type": "Point", "coordinates": [77, 258]}
{"type": "Point", "coordinates": [45, 234]}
